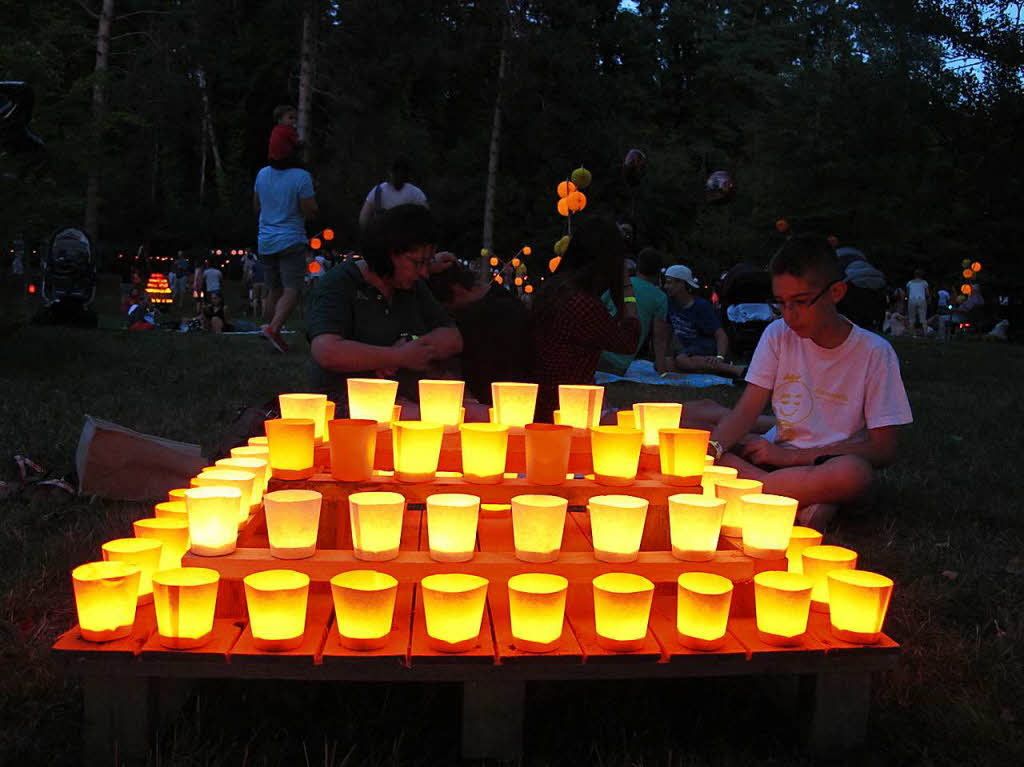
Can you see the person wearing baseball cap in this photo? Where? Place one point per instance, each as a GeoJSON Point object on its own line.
{"type": "Point", "coordinates": [701, 342]}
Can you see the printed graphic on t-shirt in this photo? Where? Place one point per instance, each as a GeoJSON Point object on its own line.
{"type": "Point", "coordinates": [792, 403]}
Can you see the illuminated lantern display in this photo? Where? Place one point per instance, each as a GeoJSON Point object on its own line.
{"type": "Point", "coordinates": [616, 454]}
{"type": "Point", "coordinates": [158, 289]}
{"type": "Point", "coordinates": [364, 606]}
{"type": "Point", "coordinates": [695, 522]}
{"type": "Point", "coordinates": [441, 402]}
{"type": "Point", "coordinates": [372, 398]}
{"type": "Point", "coordinates": [259, 467]}
{"type": "Point", "coordinates": [451, 526]}
{"type": "Point", "coordinates": [653, 416]}
{"type": "Point", "coordinates": [576, 201]}
{"type": "Point", "coordinates": [767, 524]}
{"type": "Point", "coordinates": [819, 561]}
{"type": "Point", "coordinates": [212, 519]}
{"type": "Point", "coordinates": [453, 606]}
{"type": "Point", "coordinates": [276, 600]}
{"type": "Point", "coordinates": [565, 188]}
{"type": "Point", "coordinates": [622, 610]}
{"type": "Point", "coordinates": [178, 494]}
{"type": "Point", "coordinates": [291, 442]}
{"type": "Point", "coordinates": [976, 266]}
{"type": "Point", "coordinates": [968, 274]}
{"type": "Point", "coordinates": [782, 603]}
{"type": "Point", "coordinates": [536, 603]}
{"type": "Point", "coordinates": [965, 289]}
{"type": "Point", "coordinates": [311, 406]}
{"type": "Point", "coordinates": [514, 403]}
{"type": "Point", "coordinates": [626, 418]}
{"type": "Point", "coordinates": [519, 282]}
{"type": "Point", "coordinates": [171, 509]}
{"type": "Point", "coordinates": [547, 453]}
{"type": "Point", "coordinates": [106, 594]}
{"type": "Point", "coordinates": [484, 451]}
{"type": "Point", "coordinates": [702, 610]}
{"type": "Point", "coordinates": [682, 453]}
{"type": "Point", "coordinates": [172, 532]}
{"type": "Point", "coordinates": [353, 446]}
{"type": "Point", "coordinates": [243, 480]}
{"type": "Point", "coordinates": [528, 288]}
{"type": "Point", "coordinates": [258, 442]}
{"type": "Point", "coordinates": [144, 553]}
{"type": "Point", "coordinates": [537, 525]}
{"type": "Point", "coordinates": [563, 207]}
{"type": "Point", "coordinates": [328, 234]}
{"type": "Point", "coordinates": [293, 517]}
{"type": "Point", "coordinates": [259, 452]}
{"type": "Point", "coordinates": [580, 405]}
{"type": "Point", "coordinates": [617, 524]}
{"type": "Point", "coordinates": [858, 601]}
{"type": "Point", "coordinates": [417, 449]}
{"type": "Point", "coordinates": [185, 601]}
{"type": "Point", "coordinates": [516, 262]}
{"type": "Point", "coordinates": [328, 417]}
{"type": "Point", "coordinates": [733, 490]}
{"type": "Point", "coordinates": [494, 261]}
{"type": "Point", "coordinates": [376, 522]}
{"type": "Point", "coordinates": [799, 539]}
{"type": "Point", "coordinates": [713, 475]}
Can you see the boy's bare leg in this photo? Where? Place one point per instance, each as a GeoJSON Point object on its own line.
{"type": "Point", "coordinates": [842, 480]}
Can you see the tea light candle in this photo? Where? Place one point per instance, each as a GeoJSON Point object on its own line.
{"type": "Point", "coordinates": [702, 610]}
{"type": "Point", "coordinates": [293, 519]}
{"type": "Point", "coordinates": [682, 453]}
{"type": "Point", "coordinates": [185, 602]}
{"type": "Point", "coordinates": [353, 448]}
{"type": "Point", "coordinates": [514, 403]}
{"type": "Point", "coordinates": [257, 466]}
{"type": "Point", "coordinates": [276, 601]}
{"type": "Point", "coordinates": [537, 525]}
{"type": "Point", "coordinates": [291, 442]}
{"type": "Point", "coordinates": [651, 417]}
{"type": "Point", "coordinates": [171, 509]}
{"type": "Point", "coordinates": [372, 398]}
{"type": "Point", "coordinates": [858, 601]}
{"type": "Point", "coordinates": [451, 526]}
{"type": "Point", "coordinates": [799, 539]}
{"type": "Point", "coordinates": [580, 406]}
{"type": "Point", "coordinates": [484, 452]}
{"type": "Point", "coordinates": [144, 553]}
{"type": "Point", "coordinates": [243, 480]}
{"type": "Point", "coordinates": [732, 491]}
{"type": "Point", "coordinates": [695, 522]}
{"type": "Point", "coordinates": [106, 594]}
{"type": "Point", "coordinates": [616, 454]}
{"type": "Point", "coordinates": [260, 452]}
{"type": "Point", "coordinates": [364, 607]}
{"type": "Point", "coordinates": [782, 602]}
{"type": "Point", "coordinates": [626, 418]}
{"type": "Point", "coordinates": [417, 449]}
{"type": "Point", "coordinates": [376, 521]}
{"type": "Point", "coordinates": [767, 524]}
{"type": "Point", "coordinates": [453, 607]}
{"type": "Point", "coordinates": [212, 519]}
{"type": "Point", "coordinates": [441, 402]}
{"type": "Point", "coordinates": [622, 610]}
{"type": "Point", "coordinates": [311, 406]}
{"type": "Point", "coordinates": [713, 475]}
{"type": "Point", "coordinates": [818, 562]}
{"type": "Point", "coordinates": [547, 453]}
{"type": "Point", "coordinates": [617, 524]}
{"type": "Point", "coordinates": [537, 610]}
{"type": "Point", "coordinates": [172, 532]}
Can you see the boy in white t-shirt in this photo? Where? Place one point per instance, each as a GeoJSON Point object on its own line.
{"type": "Point", "coordinates": [918, 294]}
{"type": "Point", "coordinates": [834, 387]}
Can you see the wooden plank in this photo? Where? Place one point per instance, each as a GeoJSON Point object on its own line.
{"type": "Point", "coordinates": [745, 630]}
{"type": "Point", "coordinates": [421, 651]}
{"type": "Point", "coordinates": [226, 633]}
{"type": "Point", "coordinates": [663, 623]}
{"type": "Point", "coordinates": [396, 650]}
{"type": "Point", "coordinates": [580, 612]}
{"type": "Point", "coordinates": [70, 643]}
{"type": "Point", "coordinates": [819, 626]}
{"type": "Point", "coordinates": [318, 616]}
{"type": "Point", "coordinates": [507, 652]}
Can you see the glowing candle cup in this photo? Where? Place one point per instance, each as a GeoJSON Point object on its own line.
{"type": "Point", "coordinates": [799, 539]}
{"type": "Point", "coordinates": [364, 607]}
{"type": "Point", "coordinates": [616, 454]}
{"type": "Point", "coordinates": [622, 610]}
{"type": "Point", "coordinates": [276, 600]}
{"type": "Point", "coordinates": [258, 442]}
{"type": "Point", "coordinates": [353, 447]}
{"type": "Point", "coordinates": [713, 475]}
{"type": "Point", "coordinates": [171, 509]}
{"type": "Point", "coordinates": [243, 480]}
{"type": "Point", "coordinates": [617, 525]}
{"type": "Point", "coordinates": [172, 532]}
{"type": "Point", "coordinates": [417, 449]}
{"type": "Point", "coordinates": [453, 606]}
{"type": "Point", "coordinates": [537, 525]}
{"type": "Point", "coordinates": [732, 491]}
{"type": "Point", "coordinates": [580, 406]}
{"type": "Point", "coordinates": [858, 601]}
{"type": "Point", "coordinates": [652, 417]}
{"type": "Point", "coordinates": [702, 610]}
{"type": "Point", "coordinates": [185, 601]}
{"type": "Point", "coordinates": [311, 406]}
{"type": "Point", "coordinates": [626, 418]}
{"type": "Point", "coordinates": [212, 520]}
{"type": "Point", "coordinates": [782, 602]}
{"type": "Point", "coordinates": [514, 403]}
{"type": "Point", "coordinates": [536, 604]}
{"type": "Point", "coordinates": [441, 402]}
{"type": "Point", "coordinates": [682, 453]}
{"type": "Point", "coordinates": [767, 524]}
{"type": "Point", "coordinates": [144, 553]}
{"type": "Point", "coordinates": [106, 594]}
{"type": "Point", "coordinates": [177, 494]}
{"type": "Point", "coordinates": [547, 453]}
{"type": "Point", "coordinates": [293, 518]}
{"type": "Point", "coordinates": [484, 452]}
{"type": "Point", "coordinates": [260, 467]}
{"type": "Point", "coordinates": [376, 522]}
{"type": "Point", "coordinates": [818, 562]}
{"type": "Point", "coordinates": [451, 526]}
{"type": "Point", "coordinates": [695, 522]}
{"type": "Point", "coordinates": [291, 447]}
{"type": "Point", "coordinates": [261, 452]}
{"type": "Point", "coordinates": [372, 398]}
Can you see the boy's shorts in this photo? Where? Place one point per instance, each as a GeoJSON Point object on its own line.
{"type": "Point", "coordinates": [285, 269]}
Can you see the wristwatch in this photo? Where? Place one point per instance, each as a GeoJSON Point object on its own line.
{"type": "Point", "coordinates": [716, 446]}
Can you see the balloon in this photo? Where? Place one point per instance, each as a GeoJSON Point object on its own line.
{"type": "Point", "coordinates": [581, 177]}
{"type": "Point", "coordinates": [634, 166]}
{"type": "Point", "coordinates": [782, 225]}
{"type": "Point", "coordinates": [563, 206]}
{"type": "Point", "coordinates": [719, 187]}
{"type": "Point", "coordinates": [565, 188]}
{"type": "Point", "coordinates": [561, 246]}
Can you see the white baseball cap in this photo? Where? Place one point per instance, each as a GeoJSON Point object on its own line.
{"type": "Point", "coordinates": [680, 272]}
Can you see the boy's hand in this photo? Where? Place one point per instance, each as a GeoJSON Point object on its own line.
{"type": "Point", "coordinates": [761, 452]}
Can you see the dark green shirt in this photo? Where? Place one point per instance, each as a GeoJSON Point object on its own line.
{"type": "Point", "coordinates": [345, 304]}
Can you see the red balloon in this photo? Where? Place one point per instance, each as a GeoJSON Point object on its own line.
{"type": "Point", "coordinates": [719, 187]}
{"type": "Point", "coordinates": [634, 166]}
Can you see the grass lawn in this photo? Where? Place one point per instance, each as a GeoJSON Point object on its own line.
{"type": "Point", "coordinates": [948, 527]}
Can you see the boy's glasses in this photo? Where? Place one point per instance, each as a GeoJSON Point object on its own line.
{"type": "Point", "coordinates": [799, 304]}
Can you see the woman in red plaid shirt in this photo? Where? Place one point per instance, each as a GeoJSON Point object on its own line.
{"type": "Point", "coordinates": [571, 327]}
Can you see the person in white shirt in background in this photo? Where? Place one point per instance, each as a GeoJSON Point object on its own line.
{"type": "Point", "coordinates": [835, 389]}
{"type": "Point", "coordinates": [918, 294]}
{"type": "Point", "coordinates": [391, 193]}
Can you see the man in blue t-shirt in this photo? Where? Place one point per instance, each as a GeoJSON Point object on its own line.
{"type": "Point", "coordinates": [283, 199]}
{"type": "Point", "coordinates": [701, 343]}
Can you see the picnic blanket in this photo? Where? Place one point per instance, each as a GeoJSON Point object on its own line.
{"type": "Point", "coordinates": [642, 371]}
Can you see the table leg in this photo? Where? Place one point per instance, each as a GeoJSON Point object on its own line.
{"type": "Point", "coordinates": [492, 720]}
{"type": "Point", "coordinates": [116, 719]}
{"type": "Point", "coordinates": [839, 704]}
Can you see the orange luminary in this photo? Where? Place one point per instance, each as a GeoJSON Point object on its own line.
{"type": "Point", "coordinates": [514, 403]}
{"type": "Point", "coordinates": [245, 481]}
{"type": "Point", "coordinates": [353, 447]}
{"type": "Point", "coordinates": [312, 406]}
{"type": "Point", "coordinates": [453, 607]}
{"type": "Point", "coordinates": [276, 601]}
{"type": "Point", "coordinates": [441, 402]}
{"type": "Point", "coordinates": [733, 490]}
{"type": "Point", "coordinates": [547, 453]}
{"type": "Point", "coordinates": [858, 601]}
{"type": "Point", "coordinates": [372, 398]}
{"type": "Point", "coordinates": [177, 494]}
{"type": "Point", "coordinates": [767, 524]}
{"type": "Point", "coordinates": [451, 526]}
{"type": "Point", "coordinates": [580, 406]}
{"type": "Point", "coordinates": [106, 594]}
{"type": "Point", "coordinates": [713, 475]}
{"type": "Point", "coordinates": [484, 452]}
{"type": "Point", "coordinates": [172, 532]}
{"type": "Point", "coordinates": [376, 522]}
{"type": "Point", "coordinates": [364, 608]}
{"type": "Point", "coordinates": [800, 538]}
{"type": "Point", "coordinates": [616, 454]}
{"type": "Point", "coordinates": [622, 610]}
{"type": "Point", "coordinates": [417, 449]}
{"type": "Point", "coordinates": [259, 452]}
{"type": "Point", "coordinates": [818, 562]}
{"type": "Point", "coordinates": [682, 453]}
{"type": "Point", "coordinates": [144, 553]}
{"type": "Point", "coordinates": [695, 522]}
{"type": "Point", "coordinates": [651, 417]}
{"type": "Point", "coordinates": [258, 442]}
{"type": "Point", "coordinates": [185, 602]}
{"type": "Point", "coordinates": [702, 610]}
{"type": "Point", "coordinates": [212, 519]}
{"type": "Point", "coordinates": [617, 526]}
{"type": "Point", "coordinates": [291, 442]}
{"type": "Point", "coordinates": [626, 418]}
{"type": "Point", "coordinates": [537, 610]}
{"type": "Point", "coordinates": [171, 509]}
{"type": "Point", "coordinates": [293, 518]}
{"type": "Point", "coordinates": [538, 522]}
{"type": "Point", "coordinates": [782, 603]}
{"type": "Point", "coordinates": [260, 467]}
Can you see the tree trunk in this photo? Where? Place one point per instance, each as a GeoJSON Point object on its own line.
{"type": "Point", "coordinates": [203, 138]}
{"type": "Point", "coordinates": [307, 72]}
{"type": "Point", "coordinates": [208, 126]}
{"type": "Point", "coordinates": [495, 149]}
{"type": "Point", "coordinates": [99, 111]}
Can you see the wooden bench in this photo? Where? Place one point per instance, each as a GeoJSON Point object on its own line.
{"type": "Point", "coordinates": [132, 685]}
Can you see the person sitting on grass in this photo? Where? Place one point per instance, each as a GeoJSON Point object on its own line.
{"type": "Point", "coordinates": [214, 314]}
{"type": "Point", "coordinates": [700, 339]}
{"type": "Point", "coordinates": [835, 389]}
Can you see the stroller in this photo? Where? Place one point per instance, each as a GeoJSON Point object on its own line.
{"type": "Point", "coordinates": [69, 280]}
{"type": "Point", "coordinates": [745, 301]}
{"type": "Point", "coordinates": [865, 300]}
